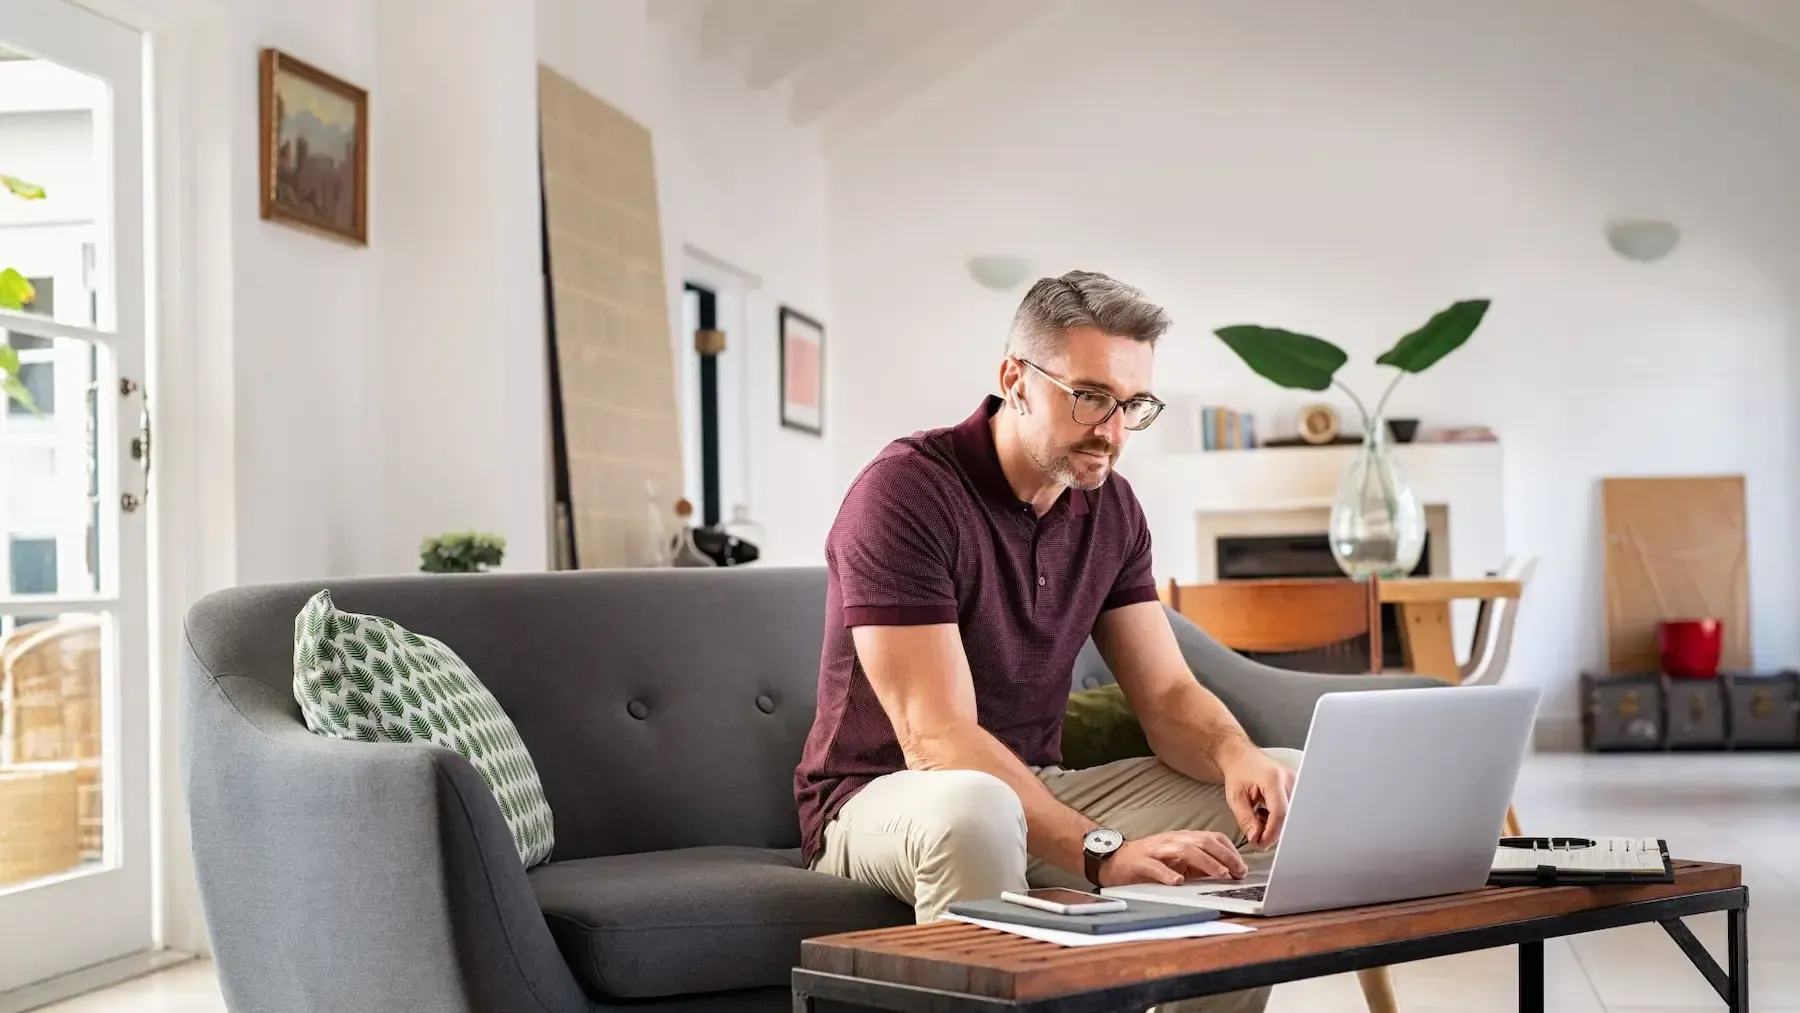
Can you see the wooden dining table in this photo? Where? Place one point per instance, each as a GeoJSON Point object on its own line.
{"type": "Point", "coordinates": [1424, 607]}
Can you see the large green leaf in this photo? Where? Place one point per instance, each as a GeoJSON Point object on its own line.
{"type": "Point", "coordinates": [1441, 335]}
{"type": "Point", "coordinates": [15, 290]}
{"type": "Point", "coordinates": [1299, 361]}
{"type": "Point", "coordinates": [22, 189]}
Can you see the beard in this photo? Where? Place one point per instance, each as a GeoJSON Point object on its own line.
{"type": "Point", "coordinates": [1065, 467]}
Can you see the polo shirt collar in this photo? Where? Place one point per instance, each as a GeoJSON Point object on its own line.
{"type": "Point", "coordinates": [974, 442]}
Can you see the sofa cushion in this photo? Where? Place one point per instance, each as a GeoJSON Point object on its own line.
{"type": "Point", "coordinates": [698, 919]}
{"type": "Point", "coordinates": [1100, 727]}
{"type": "Point", "coordinates": [365, 677]}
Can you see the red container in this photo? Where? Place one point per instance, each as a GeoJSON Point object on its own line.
{"type": "Point", "coordinates": [1690, 648]}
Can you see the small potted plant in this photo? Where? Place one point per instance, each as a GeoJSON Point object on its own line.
{"type": "Point", "coordinates": [461, 552]}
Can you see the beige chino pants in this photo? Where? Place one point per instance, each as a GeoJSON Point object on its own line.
{"type": "Point", "coordinates": [934, 837]}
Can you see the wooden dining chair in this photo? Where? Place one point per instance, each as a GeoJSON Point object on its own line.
{"type": "Point", "coordinates": [1315, 620]}
{"type": "Point", "coordinates": [1334, 623]}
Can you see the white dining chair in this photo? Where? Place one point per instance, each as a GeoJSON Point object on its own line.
{"type": "Point", "coordinates": [1494, 625]}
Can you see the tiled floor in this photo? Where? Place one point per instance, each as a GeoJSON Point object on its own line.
{"type": "Point", "coordinates": [1741, 808]}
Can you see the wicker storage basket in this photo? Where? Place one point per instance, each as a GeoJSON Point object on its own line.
{"type": "Point", "coordinates": [39, 828]}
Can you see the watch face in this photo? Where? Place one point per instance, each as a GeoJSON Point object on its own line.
{"type": "Point", "coordinates": [1103, 841]}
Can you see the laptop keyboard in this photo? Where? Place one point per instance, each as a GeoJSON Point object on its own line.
{"type": "Point", "coordinates": [1242, 893]}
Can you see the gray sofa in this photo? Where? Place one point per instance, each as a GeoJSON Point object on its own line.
{"type": "Point", "coordinates": [665, 711]}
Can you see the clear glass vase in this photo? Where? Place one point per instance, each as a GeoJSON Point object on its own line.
{"type": "Point", "coordinates": [1377, 526]}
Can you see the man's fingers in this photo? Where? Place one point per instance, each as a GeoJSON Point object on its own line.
{"type": "Point", "coordinates": [1190, 851]}
{"type": "Point", "coordinates": [1200, 860]}
{"type": "Point", "coordinates": [1219, 848]}
{"type": "Point", "coordinates": [1159, 868]}
{"type": "Point", "coordinates": [1245, 812]}
{"type": "Point", "coordinates": [1278, 808]}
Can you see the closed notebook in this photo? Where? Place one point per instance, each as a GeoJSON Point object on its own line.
{"type": "Point", "coordinates": [1138, 914]}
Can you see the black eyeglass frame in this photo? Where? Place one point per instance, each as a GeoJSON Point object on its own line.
{"type": "Point", "coordinates": [1075, 396]}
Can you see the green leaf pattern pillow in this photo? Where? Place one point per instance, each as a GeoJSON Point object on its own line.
{"type": "Point", "coordinates": [365, 678]}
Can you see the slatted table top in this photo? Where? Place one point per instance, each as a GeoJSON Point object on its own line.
{"type": "Point", "coordinates": [960, 958]}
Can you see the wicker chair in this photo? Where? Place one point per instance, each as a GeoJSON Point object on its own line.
{"type": "Point", "coordinates": [50, 693]}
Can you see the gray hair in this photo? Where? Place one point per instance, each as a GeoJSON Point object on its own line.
{"type": "Point", "coordinates": [1081, 299]}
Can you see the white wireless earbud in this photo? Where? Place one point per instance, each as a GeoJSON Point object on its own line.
{"type": "Point", "coordinates": [1018, 401]}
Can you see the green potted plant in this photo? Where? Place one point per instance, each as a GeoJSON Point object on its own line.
{"type": "Point", "coordinates": [461, 552]}
{"type": "Point", "coordinates": [1377, 526]}
{"type": "Point", "coordinates": [15, 294]}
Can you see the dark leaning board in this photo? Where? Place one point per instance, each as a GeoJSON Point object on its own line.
{"type": "Point", "coordinates": [954, 967]}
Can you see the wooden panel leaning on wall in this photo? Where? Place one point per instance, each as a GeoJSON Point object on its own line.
{"type": "Point", "coordinates": [609, 314]}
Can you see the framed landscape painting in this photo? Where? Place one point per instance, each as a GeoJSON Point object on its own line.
{"type": "Point", "coordinates": [802, 372]}
{"type": "Point", "coordinates": [314, 142]}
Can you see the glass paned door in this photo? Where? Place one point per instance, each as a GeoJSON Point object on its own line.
{"type": "Point", "coordinates": [75, 855]}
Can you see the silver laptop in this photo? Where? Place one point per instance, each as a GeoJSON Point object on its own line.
{"type": "Point", "coordinates": [1401, 793]}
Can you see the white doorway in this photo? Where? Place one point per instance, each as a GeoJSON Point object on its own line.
{"type": "Point", "coordinates": [717, 451]}
{"type": "Point", "coordinates": [76, 859]}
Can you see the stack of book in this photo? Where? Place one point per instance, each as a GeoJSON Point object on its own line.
{"type": "Point", "coordinates": [1224, 429]}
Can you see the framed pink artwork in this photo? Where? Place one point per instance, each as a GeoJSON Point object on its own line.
{"type": "Point", "coordinates": [802, 372]}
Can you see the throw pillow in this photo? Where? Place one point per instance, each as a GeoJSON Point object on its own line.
{"type": "Point", "coordinates": [366, 678]}
{"type": "Point", "coordinates": [1099, 727]}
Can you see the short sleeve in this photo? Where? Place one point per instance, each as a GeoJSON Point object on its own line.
{"type": "Point", "coordinates": [892, 548]}
{"type": "Point", "coordinates": [1137, 579]}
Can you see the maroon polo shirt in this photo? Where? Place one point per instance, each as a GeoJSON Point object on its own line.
{"type": "Point", "coordinates": [930, 532]}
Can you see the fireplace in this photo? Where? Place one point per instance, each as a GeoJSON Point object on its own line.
{"type": "Point", "coordinates": [1266, 557]}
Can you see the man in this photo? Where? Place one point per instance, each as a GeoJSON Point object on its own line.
{"type": "Point", "coordinates": [967, 567]}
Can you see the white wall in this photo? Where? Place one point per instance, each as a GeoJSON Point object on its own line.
{"type": "Point", "coordinates": [457, 358]}
{"type": "Point", "coordinates": [1348, 170]}
{"type": "Point", "coordinates": [303, 322]}
{"type": "Point", "coordinates": [740, 183]}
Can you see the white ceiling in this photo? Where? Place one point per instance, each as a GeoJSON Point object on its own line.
{"type": "Point", "coordinates": [845, 64]}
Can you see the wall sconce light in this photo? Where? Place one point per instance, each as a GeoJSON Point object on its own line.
{"type": "Point", "coordinates": [999, 273]}
{"type": "Point", "coordinates": [1642, 240]}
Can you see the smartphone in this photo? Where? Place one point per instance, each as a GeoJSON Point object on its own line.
{"type": "Point", "coordinates": [1057, 900]}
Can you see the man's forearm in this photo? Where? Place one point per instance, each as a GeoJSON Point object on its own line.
{"type": "Point", "coordinates": [1192, 732]}
{"type": "Point", "coordinates": [1053, 830]}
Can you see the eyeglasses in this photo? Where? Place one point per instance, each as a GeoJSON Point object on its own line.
{"type": "Point", "coordinates": [1093, 407]}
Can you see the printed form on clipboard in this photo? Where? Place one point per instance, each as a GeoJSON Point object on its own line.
{"type": "Point", "coordinates": [1577, 861]}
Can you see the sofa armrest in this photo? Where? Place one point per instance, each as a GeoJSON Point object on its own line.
{"type": "Point", "coordinates": [352, 875]}
{"type": "Point", "coordinates": [1274, 705]}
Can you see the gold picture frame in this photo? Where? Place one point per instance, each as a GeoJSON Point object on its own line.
{"type": "Point", "coordinates": [314, 149]}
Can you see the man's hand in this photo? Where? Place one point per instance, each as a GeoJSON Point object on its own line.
{"type": "Point", "coordinates": [1258, 789]}
{"type": "Point", "coordinates": [1173, 858]}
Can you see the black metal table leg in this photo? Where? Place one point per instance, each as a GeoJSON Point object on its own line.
{"type": "Point", "coordinates": [1531, 977]}
{"type": "Point", "coordinates": [1737, 922]}
{"type": "Point", "coordinates": [1732, 981]}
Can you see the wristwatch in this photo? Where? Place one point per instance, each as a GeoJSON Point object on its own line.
{"type": "Point", "coordinates": [1100, 844]}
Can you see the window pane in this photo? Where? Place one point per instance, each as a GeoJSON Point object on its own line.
{"type": "Point", "coordinates": [31, 490]}
{"type": "Point", "coordinates": [54, 782]}
{"type": "Point", "coordinates": [34, 566]}
{"type": "Point", "coordinates": [40, 379]}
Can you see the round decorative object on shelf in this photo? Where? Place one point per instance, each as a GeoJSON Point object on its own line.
{"type": "Point", "coordinates": [1318, 423]}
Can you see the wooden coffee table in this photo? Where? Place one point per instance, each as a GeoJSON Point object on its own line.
{"type": "Point", "coordinates": [954, 967]}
